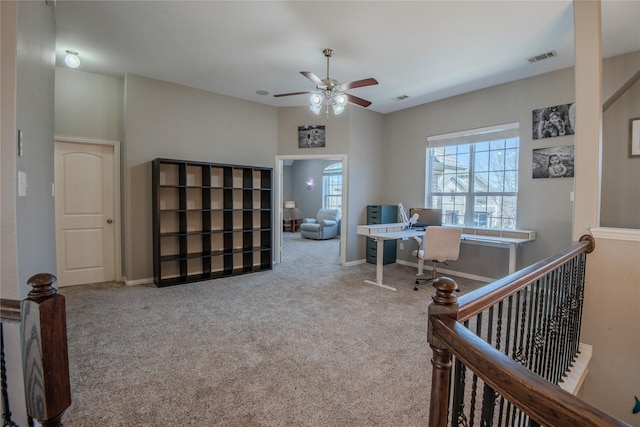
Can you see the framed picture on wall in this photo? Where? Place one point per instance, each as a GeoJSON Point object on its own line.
{"type": "Point", "coordinates": [553, 162]}
{"type": "Point", "coordinates": [634, 137]}
{"type": "Point", "coordinates": [558, 120]}
{"type": "Point", "coordinates": [311, 136]}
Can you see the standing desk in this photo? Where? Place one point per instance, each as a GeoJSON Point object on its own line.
{"type": "Point", "coordinates": [382, 232]}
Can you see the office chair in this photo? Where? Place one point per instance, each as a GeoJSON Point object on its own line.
{"type": "Point", "coordinates": [440, 244]}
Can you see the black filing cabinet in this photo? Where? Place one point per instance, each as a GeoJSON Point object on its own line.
{"type": "Point", "coordinates": [381, 214]}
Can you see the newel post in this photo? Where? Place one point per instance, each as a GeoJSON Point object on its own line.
{"type": "Point", "coordinates": [44, 351]}
{"type": "Point", "coordinates": [443, 303]}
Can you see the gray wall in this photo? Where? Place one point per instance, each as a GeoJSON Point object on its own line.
{"type": "Point", "coordinates": [358, 133]}
{"type": "Point", "coordinates": [88, 105]}
{"type": "Point", "coordinates": [8, 182]}
{"type": "Point", "coordinates": [620, 173]}
{"type": "Point", "coordinates": [308, 201]}
{"type": "Point", "coordinates": [172, 121]}
{"type": "Point", "coordinates": [28, 232]}
{"type": "Point", "coordinates": [368, 172]}
{"type": "Point", "coordinates": [34, 116]}
{"type": "Point", "coordinates": [386, 154]}
{"type": "Point", "coordinates": [543, 204]}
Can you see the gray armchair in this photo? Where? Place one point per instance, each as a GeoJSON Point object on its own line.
{"type": "Point", "coordinates": [325, 225]}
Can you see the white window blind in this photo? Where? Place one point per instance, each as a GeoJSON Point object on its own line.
{"type": "Point", "coordinates": [488, 133]}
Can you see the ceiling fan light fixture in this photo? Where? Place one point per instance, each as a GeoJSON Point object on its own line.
{"type": "Point", "coordinates": [341, 99]}
{"type": "Point", "coordinates": [316, 102]}
{"type": "Point", "coordinates": [316, 99]}
{"type": "Point", "coordinates": [316, 109]}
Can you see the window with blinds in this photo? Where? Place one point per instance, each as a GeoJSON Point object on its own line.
{"type": "Point", "coordinates": [332, 187]}
{"type": "Point", "coordinates": [472, 176]}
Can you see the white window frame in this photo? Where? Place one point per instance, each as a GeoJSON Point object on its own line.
{"type": "Point", "coordinates": [470, 137]}
{"type": "Point", "coordinates": [331, 172]}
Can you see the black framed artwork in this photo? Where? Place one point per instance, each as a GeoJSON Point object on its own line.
{"type": "Point", "coordinates": [553, 162]}
{"type": "Point", "coordinates": [311, 136]}
{"type": "Point", "coordinates": [550, 122]}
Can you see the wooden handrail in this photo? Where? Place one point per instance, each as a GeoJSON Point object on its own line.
{"type": "Point", "coordinates": [544, 402]}
{"type": "Point", "coordinates": [525, 375]}
{"type": "Point", "coordinates": [481, 299]}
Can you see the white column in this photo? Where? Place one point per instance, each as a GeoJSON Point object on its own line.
{"type": "Point", "coordinates": [588, 136]}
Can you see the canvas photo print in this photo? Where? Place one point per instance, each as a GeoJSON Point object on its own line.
{"type": "Point", "coordinates": [553, 162]}
{"type": "Point", "coordinates": [311, 136]}
{"type": "Point", "coordinates": [554, 121]}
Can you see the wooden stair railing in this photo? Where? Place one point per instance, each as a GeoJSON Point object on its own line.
{"type": "Point", "coordinates": [45, 358]}
{"type": "Point", "coordinates": [517, 353]}
{"type": "Point", "coordinates": [541, 400]}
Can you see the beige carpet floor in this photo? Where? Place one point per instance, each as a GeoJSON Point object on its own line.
{"type": "Point", "coordinates": [308, 343]}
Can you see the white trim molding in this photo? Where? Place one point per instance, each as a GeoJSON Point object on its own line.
{"type": "Point", "coordinates": [627, 234]}
{"type": "Point", "coordinates": [279, 201]}
{"type": "Point", "coordinates": [139, 282]}
{"type": "Point", "coordinates": [447, 271]}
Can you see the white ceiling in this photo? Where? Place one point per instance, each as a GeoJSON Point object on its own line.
{"type": "Point", "coordinates": [427, 50]}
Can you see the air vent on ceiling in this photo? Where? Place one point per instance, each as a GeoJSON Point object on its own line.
{"type": "Point", "coordinates": [400, 98]}
{"type": "Point", "coordinates": [540, 57]}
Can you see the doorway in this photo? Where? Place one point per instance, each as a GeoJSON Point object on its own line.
{"type": "Point", "coordinates": [279, 201]}
{"type": "Point", "coordinates": [86, 175]}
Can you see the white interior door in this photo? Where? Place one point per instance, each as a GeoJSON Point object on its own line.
{"type": "Point", "coordinates": [85, 231]}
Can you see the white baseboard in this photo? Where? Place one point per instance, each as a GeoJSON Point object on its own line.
{"type": "Point", "coordinates": [138, 282]}
{"type": "Point", "coordinates": [427, 267]}
{"type": "Point", "coordinates": [356, 262]}
{"type": "Point", "coordinates": [445, 271]}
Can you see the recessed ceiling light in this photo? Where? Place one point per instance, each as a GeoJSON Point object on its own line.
{"type": "Point", "coordinates": [400, 98]}
{"type": "Point", "coordinates": [262, 92]}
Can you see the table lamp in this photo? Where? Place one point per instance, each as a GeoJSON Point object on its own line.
{"type": "Point", "coordinates": [289, 204]}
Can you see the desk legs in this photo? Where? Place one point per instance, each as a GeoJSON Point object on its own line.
{"type": "Point", "coordinates": [379, 264]}
{"type": "Point", "coordinates": [512, 257]}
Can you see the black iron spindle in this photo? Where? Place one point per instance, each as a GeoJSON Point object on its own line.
{"type": "Point", "coordinates": [6, 415]}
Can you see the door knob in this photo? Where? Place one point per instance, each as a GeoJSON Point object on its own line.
{"type": "Point", "coordinates": [109, 221]}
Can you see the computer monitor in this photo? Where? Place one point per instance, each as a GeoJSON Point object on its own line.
{"type": "Point", "coordinates": [426, 217]}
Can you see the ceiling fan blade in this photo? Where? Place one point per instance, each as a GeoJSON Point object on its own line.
{"type": "Point", "coordinates": [317, 80]}
{"type": "Point", "coordinates": [291, 93]}
{"type": "Point", "coordinates": [359, 101]}
{"type": "Point", "coordinates": [359, 83]}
